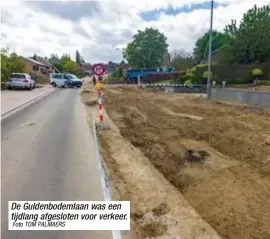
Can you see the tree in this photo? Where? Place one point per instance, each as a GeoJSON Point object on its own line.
{"type": "Point", "coordinates": [64, 64]}
{"type": "Point", "coordinates": [35, 57]}
{"type": "Point", "coordinates": [250, 41]}
{"type": "Point", "coordinates": [182, 60]}
{"type": "Point", "coordinates": [70, 66]}
{"type": "Point", "coordinates": [78, 57]}
{"type": "Point", "coordinates": [10, 63]}
{"type": "Point", "coordinates": [202, 44]}
{"type": "Point", "coordinates": [147, 49]}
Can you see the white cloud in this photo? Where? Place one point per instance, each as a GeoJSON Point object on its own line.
{"type": "Point", "coordinates": [110, 24]}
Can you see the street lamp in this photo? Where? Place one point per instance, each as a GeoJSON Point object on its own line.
{"type": "Point", "coordinates": [210, 52]}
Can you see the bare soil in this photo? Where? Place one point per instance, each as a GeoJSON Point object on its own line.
{"type": "Point", "coordinates": [170, 153]}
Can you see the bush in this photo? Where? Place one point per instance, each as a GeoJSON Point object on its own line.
{"type": "Point", "coordinates": [257, 72]}
{"type": "Point", "coordinates": [264, 82]}
{"type": "Point", "coordinates": [182, 79]}
{"type": "Point", "coordinates": [206, 74]}
{"type": "Point", "coordinates": [238, 81]}
{"type": "Point", "coordinates": [188, 83]}
{"type": "Point", "coordinates": [119, 72]}
{"type": "Point", "coordinates": [216, 79]}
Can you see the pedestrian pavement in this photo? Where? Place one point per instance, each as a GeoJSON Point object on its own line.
{"type": "Point", "coordinates": [13, 99]}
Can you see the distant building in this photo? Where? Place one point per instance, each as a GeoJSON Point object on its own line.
{"type": "Point", "coordinates": [85, 67]}
{"type": "Point", "coordinates": [111, 66]}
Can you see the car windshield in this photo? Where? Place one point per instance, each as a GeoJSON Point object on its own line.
{"type": "Point", "coordinates": [72, 76]}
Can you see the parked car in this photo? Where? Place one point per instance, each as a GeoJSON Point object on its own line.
{"type": "Point", "coordinates": [64, 80]}
{"type": "Point", "coordinates": [21, 80]}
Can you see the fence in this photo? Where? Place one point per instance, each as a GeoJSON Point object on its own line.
{"type": "Point", "coordinates": [254, 98]}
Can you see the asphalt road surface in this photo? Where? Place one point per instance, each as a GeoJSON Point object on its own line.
{"type": "Point", "coordinates": [47, 155]}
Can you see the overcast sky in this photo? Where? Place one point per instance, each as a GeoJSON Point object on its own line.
{"type": "Point", "coordinates": [98, 28]}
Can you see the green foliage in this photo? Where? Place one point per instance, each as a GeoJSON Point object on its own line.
{"type": "Point", "coordinates": [188, 82]}
{"type": "Point", "coordinates": [250, 41]}
{"type": "Point", "coordinates": [264, 82]}
{"type": "Point", "coordinates": [202, 44]}
{"type": "Point", "coordinates": [215, 78]}
{"type": "Point", "coordinates": [206, 74]}
{"type": "Point", "coordinates": [10, 63]}
{"type": "Point", "coordinates": [119, 72]}
{"type": "Point", "coordinates": [182, 79]}
{"type": "Point", "coordinates": [257, 72]}
{"type": "Point", "coordinates": [147, 49]}
{"type": "Point", "coordinates": [64, 64]}
{"type": "Point", "coordinates": [79, 58]}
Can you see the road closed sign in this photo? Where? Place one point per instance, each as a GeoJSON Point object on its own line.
{"type": "Point", "coordinates": [98, 69]}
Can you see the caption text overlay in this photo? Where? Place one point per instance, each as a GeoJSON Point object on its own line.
{"type": "Point", "coordinates": [69, 215]}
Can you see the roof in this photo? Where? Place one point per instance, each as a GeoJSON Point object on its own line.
{"type": "Point", "coordinates": [44, 61]}
{"type": "Point", "coordinates": [47, 63]}
{"type": "Point", "coordinates": [33, 61]}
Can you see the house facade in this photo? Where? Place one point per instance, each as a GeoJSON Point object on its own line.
{"type": "Point", "coordinates": [42, 75]}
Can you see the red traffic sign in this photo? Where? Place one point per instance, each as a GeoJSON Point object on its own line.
{"type": "Point", "coordinates": [98, 69]}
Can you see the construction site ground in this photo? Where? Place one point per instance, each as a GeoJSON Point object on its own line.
{"type": "Point", "coordinates": [192, 168]}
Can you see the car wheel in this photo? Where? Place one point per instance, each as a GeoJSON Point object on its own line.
{"type": "Point", "coordinates": [9, 88]}
{"type": "Point", "coordinates": [53, 84]}
{"type": "Point", "coordinates": [34, 86]}
{"type": "Point", "coordinates": [30, 88]}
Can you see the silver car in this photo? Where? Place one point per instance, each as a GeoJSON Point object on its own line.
{"type": "Point", "coordinates": [20, 80]}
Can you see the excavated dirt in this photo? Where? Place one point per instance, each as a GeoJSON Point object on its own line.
{"type": "Point", "coordinates": [163, 147]}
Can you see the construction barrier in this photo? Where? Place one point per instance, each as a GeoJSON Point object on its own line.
{"type": "Point", "coordinates": [99, 94]}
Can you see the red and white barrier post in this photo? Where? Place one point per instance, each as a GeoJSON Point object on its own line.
{"type": "Point", "coordinates": [100, 106]}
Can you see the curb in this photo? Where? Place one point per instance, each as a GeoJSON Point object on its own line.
{"type": "Point", "coordinates": [106, 190]}
{"type": "Point", "coordinates": [24, 105]}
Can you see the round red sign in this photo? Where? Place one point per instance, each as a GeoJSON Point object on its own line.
{"type": "Point", "coordinates": [98, 69]}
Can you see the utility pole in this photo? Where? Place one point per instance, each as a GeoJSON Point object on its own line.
{"type": "Point", "coordinates": [210, 52]}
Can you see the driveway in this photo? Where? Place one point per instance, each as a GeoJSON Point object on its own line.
{"type": "Point", "coordinates": [47, 155]}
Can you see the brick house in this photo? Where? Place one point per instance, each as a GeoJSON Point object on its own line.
{"type": "Point", "coordinates": [50, 68]}
{"type": "Point", "coordinates": [42, 75]}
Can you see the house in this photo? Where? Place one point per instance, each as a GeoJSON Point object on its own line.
{"type": "Point", "coordinates": [49, 67]}
{"type": "Point", "coordinates": [42, 75]}
{"type": "Point", "coordinates": [112, 66]}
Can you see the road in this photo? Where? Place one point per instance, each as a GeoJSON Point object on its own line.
{"type": "Point", "coordinates": [48, 154]}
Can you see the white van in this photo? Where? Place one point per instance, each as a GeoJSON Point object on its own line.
{"type": "Point", "coordinates": [57, 80]}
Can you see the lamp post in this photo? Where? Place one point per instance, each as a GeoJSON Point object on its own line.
{"type": "Point", "coordinates": [210, 52]}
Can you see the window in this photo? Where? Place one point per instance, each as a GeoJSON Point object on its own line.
{"type": "Point", "coordinates": [72, 76]}
{"type": "Point", "coordinates": [66, 77]}
{"type": "Point", "coordinates": [19, 76]}
{"type": "Point", "coordinates": [43, 71]}
{"type": "Point", "coordinates": [57, 76]}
